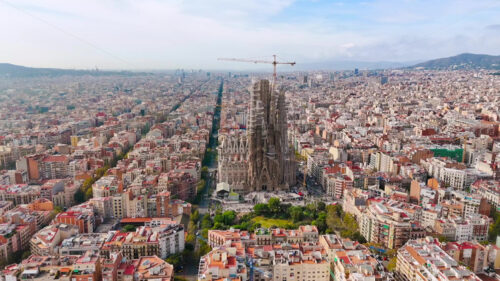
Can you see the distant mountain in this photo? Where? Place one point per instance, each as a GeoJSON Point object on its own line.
{"type": "Point", "coordinates": [17, 71]}
{"type": "Point", "coordinates": [462, 61]}
{"type": "Point", "coordinates": [350, 65]}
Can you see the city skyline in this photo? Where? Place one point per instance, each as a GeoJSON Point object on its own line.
{"type": "Point", "coordinates": [361, 175]}
{"type": "Point", "coordinates": [218, 140]}
{"type": "Point", "coordinates": [176, 34]}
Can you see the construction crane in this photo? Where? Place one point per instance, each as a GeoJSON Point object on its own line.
{"type": "Point", "coordinates": [274, 62]}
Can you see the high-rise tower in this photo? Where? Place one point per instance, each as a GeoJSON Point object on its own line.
{"type": "Point", "coordinates": [270, 159]}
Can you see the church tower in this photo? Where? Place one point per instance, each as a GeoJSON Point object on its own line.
{"type": "Point", "coordinates": [271, 165]}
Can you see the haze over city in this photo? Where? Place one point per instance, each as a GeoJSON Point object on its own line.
{"type": "Point", "coordinates": [174, 34]}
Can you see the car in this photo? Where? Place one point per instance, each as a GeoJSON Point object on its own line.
{"type": "Point", "coordinates": [179, 268]}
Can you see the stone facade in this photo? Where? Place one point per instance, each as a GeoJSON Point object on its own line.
{"type": "Point", "coordinates": [233, 165]}
{"type": "Point", "coordinates": [261, 160]}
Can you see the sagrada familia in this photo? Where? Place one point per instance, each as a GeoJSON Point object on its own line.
{"type": "Point", "coordinates": [262, 159]}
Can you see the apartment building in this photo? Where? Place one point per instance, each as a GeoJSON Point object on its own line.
{"type": "Point", "coordinates": [54, 167]}
{"type": "Point", "coordinates": [471, 254]}
{"type": "Point", "coordinates": [81, 243]}
{"type": "Point", "coordinates": [222, 263]}
{"type": "Point", "coordinates": [489, 189]}
{"type": "Point", "coordinates": [422, 259]}
{"type": "Point", "coordinates": [51, 188]}
{"type": "Point", "coordinates": [162, 241]}
{"type": "Point", "coordinates": [47, 240]}
{"type": "Point", "coordinates": [81, 215]}
{"type": "Point", "coordinates": [19, 193]}
{"type": "Point", "coordinates": [153, 268]}
{"type": "Point", "coordinates": [335, 185]}
{"type": "Point", "coordinates": [350, 260]}
{"type": "Point", "coordinates": [300, 264]}
{"type": "Point", "coordinates": [87, 267]}
{"type": "Point", "coordinates": [391, 227]}
{"type": "Point", "coordinates": [105, 186]}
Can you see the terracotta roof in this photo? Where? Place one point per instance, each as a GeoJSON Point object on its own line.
{"type": "Point", "coordinates": [135, 220]}
{"type": "Point", "coordinates": [55, 158]}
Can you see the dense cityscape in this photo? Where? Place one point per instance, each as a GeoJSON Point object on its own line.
{"type": "Point", "coordinates": [352, 175]}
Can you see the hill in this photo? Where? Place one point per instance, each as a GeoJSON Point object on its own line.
{"type": "Point", "coordinates": [16, 71]}
{"type": "Point", "coordinates": [462, 61]}
{"type": "Point", "coordinates": [338, 65]}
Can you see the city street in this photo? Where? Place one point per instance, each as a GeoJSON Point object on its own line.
{"type": "Point", "coordinates": [191, 270]}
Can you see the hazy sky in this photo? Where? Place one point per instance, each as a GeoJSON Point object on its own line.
{"type": "Point", "coordinates": [166, 34]}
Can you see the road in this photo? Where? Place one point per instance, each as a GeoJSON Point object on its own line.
{"type": "Point", "coordinates": [191, 270]}
{"type": "Point", "coordinates": [313, 190]}
{"type": "Point", "coordinates": [212, 161]}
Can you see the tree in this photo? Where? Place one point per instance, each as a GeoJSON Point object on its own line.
{"type": "Point", "coordinates": [200, 186]}
{"type": "Point", "coordinates": [391, 253]}
{"type": "Point", "coordinates": [191, 229]}
{"type": "Point", "coordinates": [443, 239]}
{"type": "Point", "coordinates": [218, 218]}
{"type": "Point", "coordinates": [58, 209]}
{"type": "Point", "coordinates": [206, 222]}
{"type": "Point", "coordinates": [274, 205]}
{"type": "Point", "coordinates": [204, 233]}
{"type": "Point", "coordinates": [87, 183]}
{"type": "Point", "coordinates": [338, 210]}
{"type": "Point", "coordinates": [88, 194]}
{"type": "Point", "coordinates": [296, 213]}
{"type": "Point", "coordinates": [358, 237]}
{"type": "Point", "coordinates": [101, 171]}
{"type": "Point", "coordinates": [204, 249]}
{"type": "Point", "coordinates": [175, 259]}
{"type": "Point", "coordinates": [321, 206]}
{"type": "Point", "coordinates": [494, 229]}
{"type": "Point", "coordinates": [229, 217]}
{"type": "Point", "coordinates": [261, 209]}
{"type": "Point", "coordinates": [320, 222]}
{"type": "Point", "coordinates": [345, 223]}
{"type": "Point", "coordinates": [350, 222]}
{"type": "Point", "coordinates": [246, 218]}
{"type": "Point", "coordinates": [219, 225]}
{"type": "Point", "coordinates": [26, 254]}
{"type": "Point", "coordinates": [79, 196]}
{"type": "Point", "coordinates": [195, 216]}
{"type": "Point", "coordinates": [128, 228]}
{"type": "Point", "coordinates": [391, 266]}
{"type": "Point", "coordinates": [333, 219]}
{"type": "Point", "coordinates": [311, 209]}
{"type": "Point", "coordinates": [190, 238]}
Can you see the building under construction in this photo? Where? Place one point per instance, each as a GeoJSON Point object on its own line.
{"type": "Point", "coordinates": [260, 160]}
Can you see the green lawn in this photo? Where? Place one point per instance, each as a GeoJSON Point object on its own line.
{"type": "Point", "coordinates": [268, 222]}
